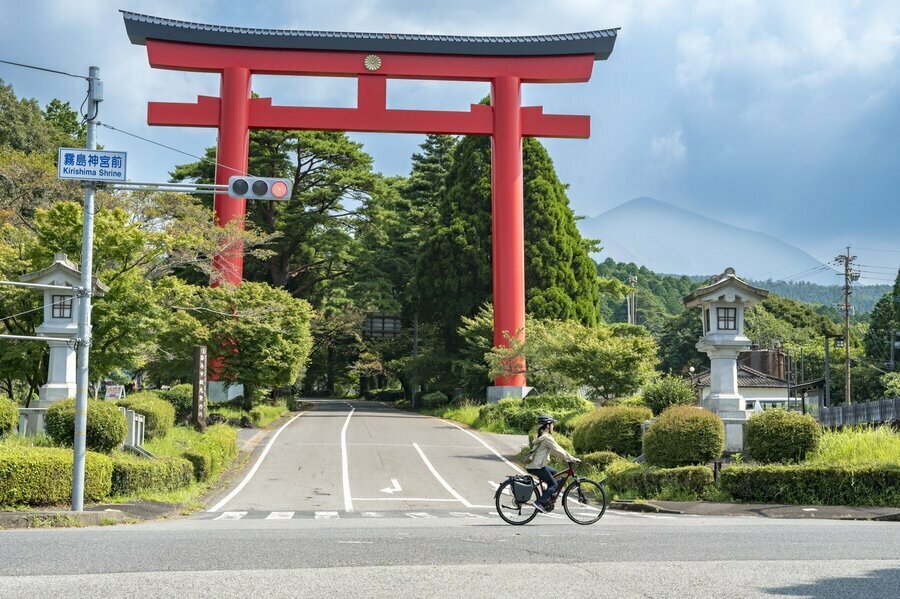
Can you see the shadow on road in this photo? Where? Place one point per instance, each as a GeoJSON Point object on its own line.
{"type": "Point", "coordinates": [878, 583]}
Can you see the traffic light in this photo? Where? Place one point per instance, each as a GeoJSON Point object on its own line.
{"type": "Point", "coordinates": [259, 188]}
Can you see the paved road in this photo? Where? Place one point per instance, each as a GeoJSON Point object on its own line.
{"type": "Point", "coordinates": [363, 456]}
{"type": "Point", "coordinates": [287, 533]}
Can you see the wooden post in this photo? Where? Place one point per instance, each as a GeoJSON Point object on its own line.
{"type": "Point", "coordinates": [198, 415]}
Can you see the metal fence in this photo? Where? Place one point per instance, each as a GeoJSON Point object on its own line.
{"type": "Point", "coordinates": [880, 410]}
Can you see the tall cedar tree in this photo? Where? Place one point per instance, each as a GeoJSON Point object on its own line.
{"type": "Point", "coordinates": [454, 271]}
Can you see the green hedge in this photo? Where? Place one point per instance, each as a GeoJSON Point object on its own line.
{"type": "Point", "coordinates": [132, 474]}
{"type": "Point", "coordinates": [684, 435]}
{"type": "Point", "coordinates": [435, 399]}
{"type": "Point", "coordinates": [668, 391]}
{"type": "Point", "coordinates": [648, 481]}
{"type": "Point", "coordinates": [182, 399]}
{"type": "Point", "coordinates": [600, 459]}
{"type": "Point", "coordinates": [9, 415]}
{"type": "Point", "coordinates": [105, 425]}
{"type": "Point", "coordinates": [616, 429]}
{"type": "Point", "coordinates": [521, 415]}
{"type": "Point", "coordinates": [43, 476]}
{"type": "Point", "coordinates": [811, 484]}
{"type": "Point", "coordinates": [217, 449]}
{"type": "Point", "coordinates": [782, 436]}
{"type": "Point", "coordinates": [159, 414]}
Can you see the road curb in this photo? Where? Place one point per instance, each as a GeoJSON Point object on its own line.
{"type": "Point", "coordinates": [63, 519]}
{"type": "Point", "coordinates": [641, 506]}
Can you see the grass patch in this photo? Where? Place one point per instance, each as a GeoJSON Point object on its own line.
{"type": "Point", "coordinates": [858, 446]}
{"type": "Point", "coordinates": [16, 441]}
{"type": "Point", "coordinates": [261, 415]}
{"type": "Point", "coordinates": [55, 521]}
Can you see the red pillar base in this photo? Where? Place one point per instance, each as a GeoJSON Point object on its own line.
{"type": "Point", "coordinates": [497, 392]}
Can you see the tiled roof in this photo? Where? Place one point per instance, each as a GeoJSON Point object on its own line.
{"type": "Point", "coordinates": [141, 27]}
{"type": "Point", "coordinates": [747, 377]}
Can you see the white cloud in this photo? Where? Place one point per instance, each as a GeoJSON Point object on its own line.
{"type": "Point", "coordinates": [669, 150]}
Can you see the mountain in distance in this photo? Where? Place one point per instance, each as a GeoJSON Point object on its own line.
{"type": "Point", "coordinates": [668, 239]}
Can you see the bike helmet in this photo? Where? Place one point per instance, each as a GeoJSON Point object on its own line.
{"type": "Point", "coordinates": [545, 419]}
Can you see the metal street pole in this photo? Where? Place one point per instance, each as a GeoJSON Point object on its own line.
{"type": "Point", "coordinates": [95, 96]}
{"type": "Point", "coordinates": [415, 356]}
{"type": "Point", "coordinates": [827, 372]}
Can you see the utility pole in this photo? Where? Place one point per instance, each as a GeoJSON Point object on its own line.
{"type": "Point", "coordinates": [849, 276]}
{"type": "Point", "coordinates": [95, 96]}
{"type": "Point", "coordinates": [632, 300]}
{"type": "Point", "coordinates": [827, 371]}
{"type": "Point", "coordinates": [894, 345]}
{"type": "Point", "coordinates": [415, 358]}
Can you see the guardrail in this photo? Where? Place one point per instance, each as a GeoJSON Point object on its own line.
{"type": "Point", "coordinates": [880, 410]}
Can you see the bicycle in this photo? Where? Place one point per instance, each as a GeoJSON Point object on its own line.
{"type": "Point", "coordinates": [584, 500]}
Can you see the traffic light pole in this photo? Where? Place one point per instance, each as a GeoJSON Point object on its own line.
{"type": "Point", "coordinates": [95, 96]}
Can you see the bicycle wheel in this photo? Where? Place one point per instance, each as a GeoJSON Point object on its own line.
{"type": "Point", "coordinates": [511, 510]}
{"type": "Point", "coordinates": [584, 501]}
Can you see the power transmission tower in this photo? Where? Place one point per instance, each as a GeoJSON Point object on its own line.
{"type": "Point", "coordinates": [849, 276]}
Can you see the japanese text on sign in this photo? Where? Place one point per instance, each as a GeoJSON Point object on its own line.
{"type": "Point", "coordinates": [91, 165]}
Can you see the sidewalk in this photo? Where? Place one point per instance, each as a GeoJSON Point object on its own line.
{"type": "Point", "coordinates": [760, 510]}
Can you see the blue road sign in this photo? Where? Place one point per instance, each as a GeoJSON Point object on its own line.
{"type": "Point", "coordinates": [91, 165]}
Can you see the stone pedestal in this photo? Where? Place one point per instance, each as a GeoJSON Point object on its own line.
{"type": "Point", "coordinates": [497, 392]}
{"type": "Point", "coordinates": [735, 427]}
{"type": "Point", "coordinates": [60, 383]}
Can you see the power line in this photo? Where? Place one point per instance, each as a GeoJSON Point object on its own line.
{"type": "Point", "coordinates": [878, 250]}
{"type": "Point", "coordinates": [162, 145]}
{"type": "Point", "coordinates": [46, 70]}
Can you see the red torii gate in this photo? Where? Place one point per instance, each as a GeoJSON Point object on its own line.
{"type": "Point", "coordinates": [505, 62]}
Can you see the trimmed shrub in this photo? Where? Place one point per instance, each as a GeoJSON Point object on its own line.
{"type": "Point", "coordinates": [43, 476]}
{"type": "Point", "coordinates": [648, 481]}
{"type": "Point", "coordinates": [435, 399]}
{"type": "Point", "coordinates": [599, 459]}
{"type": "Point", "coordinates": [105, 425]}
{"type": "Point", "coordinates": [182, 399]}
{"type": "Point", "coordinates": [217, 449]}
{"type": "Point", "coordinates": [616, 429]}
{"type": "Point", "coordinates": [132, 474]}
{"type": "Point", "coordinates": [159, 415]}
{"type": "Point", "coordinates": [668, 391]}
{"type": "Point", "coordinates": [9, 416]}
{"type": "Point", "coordinates": [781, 436]}
{"type": "Point", "coordinates": [521, 415]}
{"type": "Point", "coordinates": [560, 402]}
{"type": "Point", "coordinates": [684, 435]}
{"type": "Point", "coordinates": [814, 484]}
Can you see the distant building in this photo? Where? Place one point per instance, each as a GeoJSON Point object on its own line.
{"type": "Point", "coordinates": [759, 390]}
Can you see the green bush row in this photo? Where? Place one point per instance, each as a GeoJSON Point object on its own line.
{"type": "Point", "coordinates": [616, 429]}
{"type": "Point", "coordinates": [132, 474]}
{"type": "Point", "coordinates": [782, 436]}
{"type": "Point", "coordinates": [182, 399]}
{"type": "Point", "coordinates": [9, 415]}
{"type": "Point", "coordinates": [216, 449]}
{"type": "Point", "coordinates": [600, 459]}
{"type": "Point", "coordinates": [684, 435]}
{"type": "Point", "coordinates": [43, 476]}
{"type": "Point", "coordinates": [521, 415]}
{"type": "Point", "coordinates": [105, 425]}
{"type": "Point", "coordinates": [814, 484]}
{"type": "Point", "coordinates": [159, 414]}
{"type": "Point", "coordinates": [649, 481]}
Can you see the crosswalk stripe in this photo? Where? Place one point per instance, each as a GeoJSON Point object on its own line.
{"type": "Point", "coordinates": [280, 516]}
{"type": "Point", "coordinates": [420, 515]}
{"type": "Point", "coordinates": [327, 516]}
{"type": "Point", "coordinates": [231, 516]}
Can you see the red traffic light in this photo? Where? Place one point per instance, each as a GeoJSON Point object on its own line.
{"type": "Point", "coordinates": [279, 189]}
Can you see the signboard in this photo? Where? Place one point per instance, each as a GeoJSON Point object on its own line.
{"type": "Point", "coordinates": [198, 415]}
{"type": "Point", "coordinates": [382, 326]}
{"type": "Point", "coordinates": [114, 392]}
{"type": "Point", "coordinates": [91, 165]}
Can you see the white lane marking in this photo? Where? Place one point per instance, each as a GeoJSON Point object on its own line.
{"type": "Point", "coordinates": [231, 516]}
{"type": "Point", "coordinates": [449, 499]}
{"type": "Point", "coordinates": [491, 449]}
{"type": "Point", "coordinates": [373, 515]}
{"type": "Point", "coordinates": [355, 542]}
{"type": "Point", "coordinates": [810, 509]}
{"type": "Point", "coordinates": [280, 516]}
{"type": "Point", "coordinates": [440, 479]}
{"type": "Point", "coordinates": [348, 500]}
{"type": "Point", "coordinates": [421, 515]}
{"type": "Point", "coordinates": [495, 486]}
{"type": "Point", "coordinates": [394, 488]}
{"type": "Point", "coordinates": [466, 515]}
{"type": "Point", "coordinates": [253, 470]}
{"type": "Point", "coordinates": [327, 516]}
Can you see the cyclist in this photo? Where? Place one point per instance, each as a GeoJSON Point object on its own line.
{"type": "Point", "coordinates": [543, 447]}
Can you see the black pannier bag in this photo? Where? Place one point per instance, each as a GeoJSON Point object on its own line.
{"type": "Point", "coordinates": [523, 488]}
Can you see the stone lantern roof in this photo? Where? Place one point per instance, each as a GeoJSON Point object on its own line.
{"type": "Point", "coordinates": [63, 271]}
{"type": "Point", "coordinates": [728, 285]}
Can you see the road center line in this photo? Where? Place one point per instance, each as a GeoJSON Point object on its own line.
{"type": "Point", "coordinates": [491, 449]}
{"type": "Point", "coordinates": [440, 479]}
{"type": "Point", "coordinates": [253, 470]}
{"type": "Point", "coordinates": [348, 500]}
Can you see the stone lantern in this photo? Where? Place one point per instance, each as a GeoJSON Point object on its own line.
{"type": "Point", "coordinates": [60, 326]}
{"type": "Point", "coordinates": [722, 304]}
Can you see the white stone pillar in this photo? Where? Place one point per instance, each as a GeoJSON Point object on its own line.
{"type": "Point", "coordinates": [60, 375]}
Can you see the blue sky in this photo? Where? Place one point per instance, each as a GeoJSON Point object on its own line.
{"type": "Point", "coordinates": [781, 117]}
